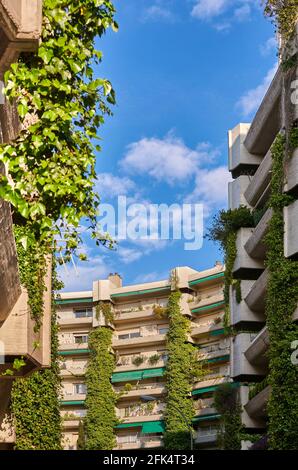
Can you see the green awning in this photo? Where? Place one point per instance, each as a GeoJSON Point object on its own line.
{"type": "Point", "coordinates": [137, 374]}
{"type": "Point", "coordinates": [71, 352]}
{"type": "Point", "coordinates": [200, 391]}
{"type": "Point", "coordinates": [206, 418]}
{"type": "Point", "coordinates": [217, 332]}
{"type": "Point", "coordinates": [83, 300]}
{"type": "Point", "coordinates": [141, 292]}
{"type": "Point", "coordinates": [152, 427]}
{"type": "Point", "coordinates": [218, 359]}
{"type": "Point", "coordinates": [208, 307]}
{"type": "Point", "coordinates": [206, 278]}
{"type": "Point", "coordinates": [129, 425]}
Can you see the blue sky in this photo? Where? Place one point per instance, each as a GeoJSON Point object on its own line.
{"type": "Point", "coordinates": [184, 71]}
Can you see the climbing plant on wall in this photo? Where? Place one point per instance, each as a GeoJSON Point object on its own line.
{"type": "Point", "coordinates": [284, 14]}
{"type": "Point", "coordinates": [224, 231]}
{"type": "Point", "coordinates": [282, 299]}
{"type": "Point", "coordinates": [181, 371]}
{"type": "Point", "coordinates": [35, 400]}
{"type": "Point", "coordinates": [226, 402]}
{"type": "Point", "coordinates": [101, 399]}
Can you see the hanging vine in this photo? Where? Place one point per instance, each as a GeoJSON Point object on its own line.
{"type": "Point", "coordinates": [35, 401]}
{"type": "Point", "coordinates": [61, 105]}
{"type": "Point", "coordinates": [284, 14]}
{"type": "Point", "coordinates": [181, 371]}
{"type": "Point", "coordinates": [282, 299]}
{"type": "Point", "coordinates": [101, 399]}
{"type": "Point", "coordinates": [226, 402]}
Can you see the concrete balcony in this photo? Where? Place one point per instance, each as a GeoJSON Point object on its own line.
{"type": "Point", "coordinates": [146, 442]}
{"type": "Point", "coordinates": [236, 192]}
{"type": "Point", "coordinates": [20, 29]}
{"type": "Point", "coordinates": [241, 313]}
{"type": "Point", "coordinates": [76, 347]}
{"type": "Point", "coordinates": [203, 328]}
{"type": "Point", "coordinates": [256, 407]}
{"type": "Point", "coordinates": [10, 286]}
{"type": "Point", "coordinates": [156, 390]}
{"type": "Point", "coordinates": [250, 421]}
{"type": "Point", "coordinates": [241, 161]}
{"type": "Point", "coordinates": [291, 184]}
{"type": "Point", "coordinates": [70, 424]}
{"type": "Point", "coordinates": [246, 267]}
{"type": "Point", "coordinates": [72, 397]}
{"type": "Point", "coordinates": [256, 353]}
{"type": "Point", "coordinates": [207, 435]}
{"type": "Point", "coordinates": [204, 407]}
{"type": "Point", "coordinates": [73, 371]}
{"type": "Point", "coordinates": [207, 304]}
{"type": "Point", "coordinates": [258, 189]}
{"type": "Point", "coordinates": [141, 417]}
{"type": "Point", "coordinates": [72, 321]}
{"type": "Point", "coordinates": [256, 297]}
{"type": "Point", "coordinates": [134, 315]}
{"type": "Point", "coordinates": [255, 245]}
{"type": "Point", "coordinates": [146, 340]}
{"type": "Point", "coordinates": [291, 230]}
{"type": "Point", "coordinates": [210, 383]}
{"type": "Point", "coordinates": [212, 355]}
{"type": "Point", "coordinates": [20, 340]}
{"type": "Point", "coordinates": [241, 368]}
{"type": "Point", "coordinates": [145, 365]}
{"type": "Point", "coordinates": [267, 121]}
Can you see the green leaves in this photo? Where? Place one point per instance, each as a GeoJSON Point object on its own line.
{"type": "Point", "coordinates": [52, 162]}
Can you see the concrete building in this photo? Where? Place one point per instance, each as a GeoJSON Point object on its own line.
{"type": "Point", "coordinates": [20, 29]}
{"type": "Point", "coordinates": [250, 164]}
{"type": "Point", "coordinates": [139, 344]}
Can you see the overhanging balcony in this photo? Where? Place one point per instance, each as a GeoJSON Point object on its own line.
{"type": "Point", "coordinates": [142, 442]}
{"type": "Point", "coordinates": [241, 368]}
{"type": "Point", "coordinates": [267, 121]}
{"type": "Point", "coordinates": [242, 313]}
{"type": "Point", "coordinates": [20, 29]}
{"type": "Point", "coordinates": [291, 230]}
{"type": "Point", "coordinates": [256, 407]}
{"type": "Point", "coordinates": [145, 340]}
{"type": "Point", "coordinates": [236, 192]}
{"type": "Point", "coordinates": [256, 297]}
{"type": "Point", "coordinates": [257, 191]}
{"type": "Point", "coordinates": [246, 267]}
{"type": "Point", "coordinates": [256, 353]}
{"type": "Point", "coordinates": [291, 184]}
{"type": "Point", "coordinates": [20, 339]}
{"type": "Point", "coordinates": [241, 161]}
{"type": "Point", "coordinates": [255, 245]}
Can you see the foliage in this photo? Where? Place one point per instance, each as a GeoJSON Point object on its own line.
{"type": "Point", "coordinates": [224, 231]}
{"type": "Point", "coordinates": [159, 311]}
{"type": "Point", "coordinates": [282, 298]}
{"type": "Point", "coordinates": [137, 361]}
{"type": "Point", "coordinates": [101, 398]}
{"type": "Point", "coordinates": [227, 404]}
{"type": "Point", "coordinates": [106, 310]}
{"type": "Point", "coordinates": [181, 370]}
{"type": "Point", "coordinates": [257, 388]}
{"type": "Point", "coordinates": [32, 268]}
{"type": "Point", "coordinates": [154, 359]}
{"type": "Point", "coordinates": [51, 164]}
{"type": "Point", "coordinates": [284, 14]}
{"type": "Point", "coordinates": [35, 400]}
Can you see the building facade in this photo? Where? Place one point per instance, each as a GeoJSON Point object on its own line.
{"type": "Point", "coordinates": [139, 344]}
{"type": "Point", "coordinates": [20, 30]}
{"type": "Point", "coordinates": [250, 163]}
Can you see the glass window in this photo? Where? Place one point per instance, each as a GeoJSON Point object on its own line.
{"type": "Point", "coordinates": [80, 389]}
{"type": "Point", "coordinates": [79, 339]}
{"type": "Point", "coordinates": [83, 313]}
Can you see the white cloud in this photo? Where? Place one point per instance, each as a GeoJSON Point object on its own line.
{"type": "Point", "coordinates": [82, 276]}
{"type": "Point", "coordinates": [242, 13]}
{"type": "Point", "coordinates": [129, 255]}
{"type": "Point", "coordinates": [250, 101]}
{"type": "Point", "coordinates": [167, 159]}
{"type": "Point", "coordinates": [157, 13]}
{"type": "Point", "coordinates": [211, 188]}
{"type": "Point", "coordinates": [110, 186]}
{"type": "Point", "coordinates": [269, 46]}
{"type": "Point", "coordinates": [206, 9]}
{"type": "Point", "coordinates": [151, 277]}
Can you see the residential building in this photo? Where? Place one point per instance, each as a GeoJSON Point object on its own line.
{"type": "Point", "coordinates": [139, 344]}
{"type": "Point", "coordinates": [20, 29]}
{"type": "Point", "coordinates": [250, 163]}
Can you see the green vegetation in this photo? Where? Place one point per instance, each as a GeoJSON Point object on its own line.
{"type": "Point", "coordinates": [227, 404]}
{"type": "Point", "coordinates": [181, 370]}
{"type": "Point", "coordinates": [284, 14]}
{"type": "Point", "coordinates": [101, 399]}
{"type": "Point", "coordinates": [282, 298]}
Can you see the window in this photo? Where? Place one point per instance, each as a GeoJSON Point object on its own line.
{"type": "Point", "coordinates": [79, 339]}
{"type": "Point", "coordinates": [80, 389]}
{"type": "Point", "coordinates": [135, 334]}
{"type": "Point", "coordinates": [163, 331]}
{"type": "Point", "coordinates": [83, 313]}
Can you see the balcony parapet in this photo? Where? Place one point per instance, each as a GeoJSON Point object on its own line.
{"type": "Point", "coordinates": [246, 267]}
{"type": "Point", "coordinates": [256, 351]}
{"type": "Point", "coordinates": [255, 245]}
{"type": "Point", "coordinates": [259, 184]}
{"type": "Point", "coordinates": [256, 297]}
